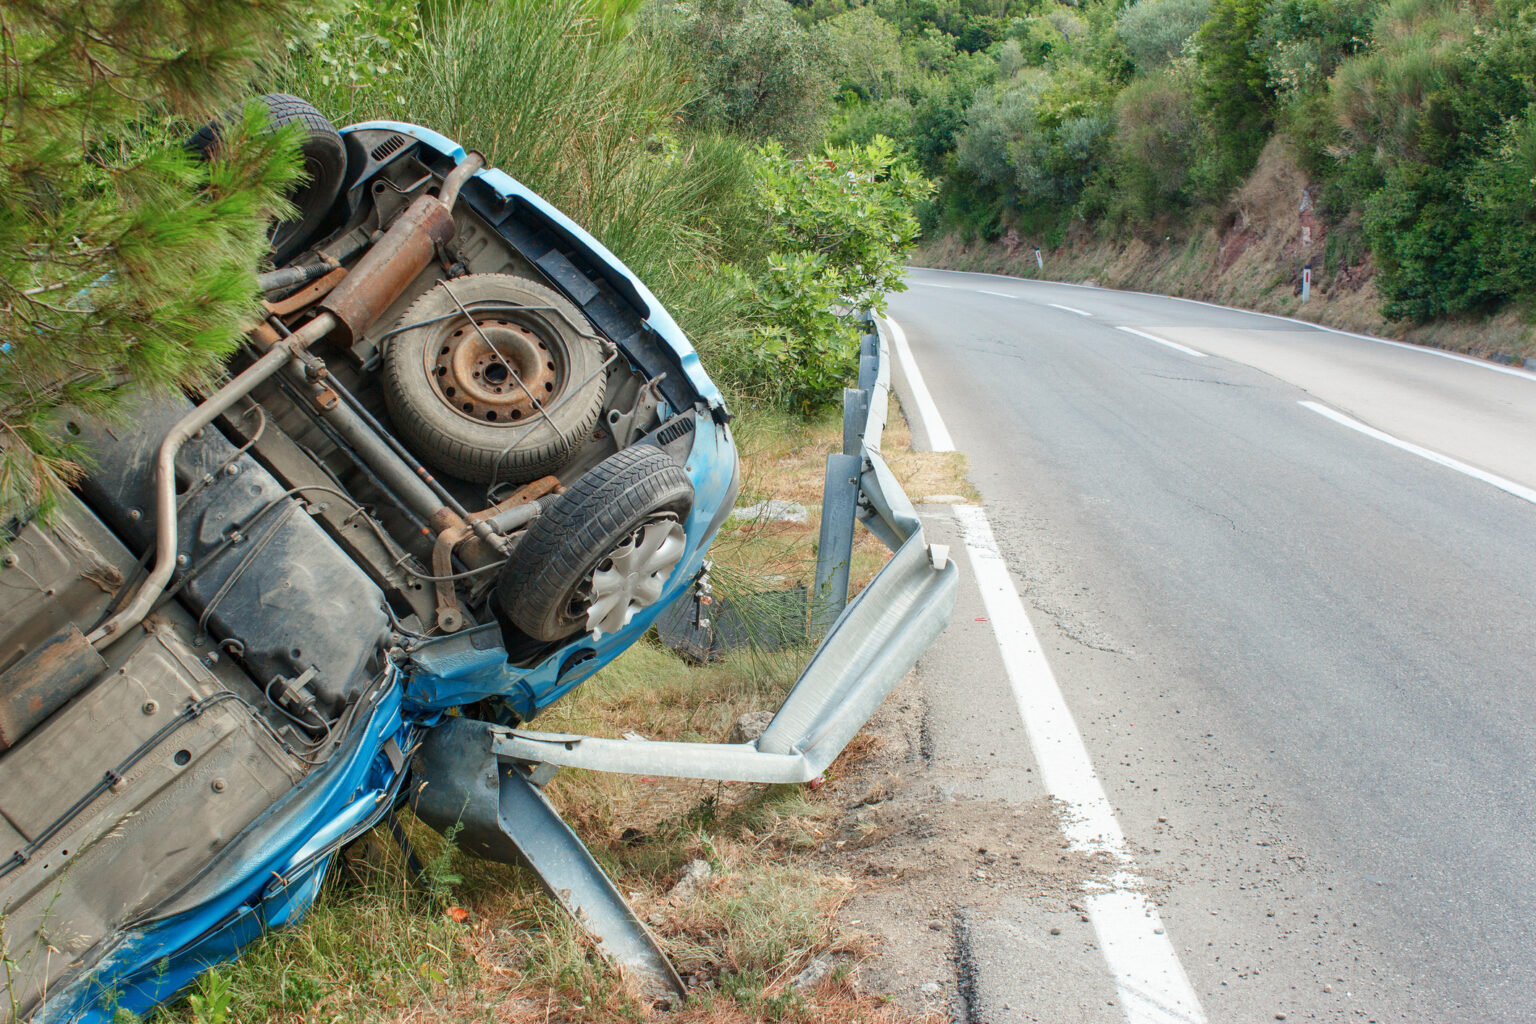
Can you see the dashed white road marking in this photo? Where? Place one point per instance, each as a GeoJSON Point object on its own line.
{"type": "Point", "coordinates": [1001, 295]}
{"type": "Point", "coordinates": [1512, 371]}
{"type": "Point", "coordinates": [927, 413]}
{"type": "Point", "coordinates": [1152, 984]}
{"type": "Point", "coordinates": [1164, 341]}
{"type": "Point", "coordinates": [1509, 486]}
{"type": "Point", "coordinates": [1069, 309]}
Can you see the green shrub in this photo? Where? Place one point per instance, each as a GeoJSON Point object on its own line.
{"type": "Point", "coordinates": [591, 119]}
{"type": "Point", "coordinates": [840, 224]}
{"type": "Point", "coordinates": [1503, 197]}
{"type": "Point", "coordinates": [1155, 144]}
{"type": "Point", "coordinates": [1423, 234]}
{"type": "Point", "coordinates": [1234, 92]}
{"type": "Point", "coordinates": [1383, 98]}
{"type": "Point", "coordinates": [864, 52]}
{"type": "Point", "coordinates": [1155, 31]}
{"type": "Point", "coordinates": [763, 74]}
{"type": "Point", "coordinates": [1304, 41]}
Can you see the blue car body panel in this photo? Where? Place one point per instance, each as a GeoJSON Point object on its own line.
{"type": "Point", "coordinates": [249, 890]}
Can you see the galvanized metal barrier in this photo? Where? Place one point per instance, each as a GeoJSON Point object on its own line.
{"type": "Point", "coordinates": [863, 423]}
{"type": "Point", "coordinates": [869, 643]}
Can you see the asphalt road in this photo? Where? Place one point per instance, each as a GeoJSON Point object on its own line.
{"type": "Point", "coordinates": [1299, 640]}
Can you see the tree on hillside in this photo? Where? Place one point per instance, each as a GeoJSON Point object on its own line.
{"type": "Point", "coordinates": [1234, 90]}
{"type": "Point", "coordinates": [125, 262]}
{"type": "Point", "coordinates": [764, 75]}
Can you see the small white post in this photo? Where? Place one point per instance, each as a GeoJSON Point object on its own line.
{"type": "Point", "coordinates": [1306, 283]}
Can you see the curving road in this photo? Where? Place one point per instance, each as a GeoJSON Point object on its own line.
{"type": "Point", "coordinates": [1286, 580]}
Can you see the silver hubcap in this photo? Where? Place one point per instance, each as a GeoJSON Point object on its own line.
{"type": "Point", "coordinates": [630, 579]}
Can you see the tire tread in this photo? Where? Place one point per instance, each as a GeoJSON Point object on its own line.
{"type": "Point", "coordinates": [580, 528]}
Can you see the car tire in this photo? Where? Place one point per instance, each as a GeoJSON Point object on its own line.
{"type": "Point", "coordinates": [325, 168]}
{"type": "Point", "coordinates": [439, 391]}
{"type": "Point", "coordinates": [546, 587]}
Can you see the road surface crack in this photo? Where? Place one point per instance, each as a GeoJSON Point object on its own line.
{"type": "Point", "coordinates": [965, 970]}
{"type": "Point", "coordinates": [1219, 515]}
{"type": "Point", "coordinates": [1199, 380]}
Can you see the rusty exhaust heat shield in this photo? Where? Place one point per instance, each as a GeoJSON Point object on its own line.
{"type": "Point", "coordinates": [395, 260]}
{"type": "Point", "coordinates": [379, 278]}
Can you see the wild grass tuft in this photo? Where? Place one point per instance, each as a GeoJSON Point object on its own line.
{"type": "Point", "coordinates": [589, 118]}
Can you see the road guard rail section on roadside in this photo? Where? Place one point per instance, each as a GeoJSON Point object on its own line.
{"type": "Point", "coordinates": [869, 644]}
{"type": "Point", "coordinates": [488, 778]}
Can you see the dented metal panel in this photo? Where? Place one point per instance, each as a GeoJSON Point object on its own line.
{"type": "Point", "coordinates": [179, 786]}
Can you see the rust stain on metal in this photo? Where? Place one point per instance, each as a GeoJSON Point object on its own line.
{"type": "Point", "coordinates": [308, 294]}
{"type": "Point", "coordinates": [43, 680]}
{"type": "Point", "coordinates": [389, 267]}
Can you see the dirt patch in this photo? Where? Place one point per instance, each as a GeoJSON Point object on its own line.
{"type": "Point", "coordinates": [918, 853]}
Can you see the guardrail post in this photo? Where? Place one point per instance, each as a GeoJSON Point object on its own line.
{"type": "Point", "coordinates": [834, 550]}
{"type": "Point", "coordinates": [869, 371]}
{"type": "Point", "coordinates": [855, 417]}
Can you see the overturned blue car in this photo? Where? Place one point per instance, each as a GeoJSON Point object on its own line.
{"type": "Point", "coordinates": [465, 460]}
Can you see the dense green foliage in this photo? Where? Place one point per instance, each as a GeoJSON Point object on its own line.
{"type": "Point", "coordinates": [124, 262]}
{"type": "Point", "coordinates": [839, 224]}
{"type": "Point", "coordinates": [672, 133]}
{"type": "Point", "coordinates": [1119, 117]}
{"type": "Point", "coordinates": [128, 262]}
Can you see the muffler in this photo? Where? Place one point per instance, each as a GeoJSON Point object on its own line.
{"type": "Point", "coordinates": [395, 260]}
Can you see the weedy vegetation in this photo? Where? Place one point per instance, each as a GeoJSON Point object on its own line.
{"type": "Point", "coordinates": [633, 118]}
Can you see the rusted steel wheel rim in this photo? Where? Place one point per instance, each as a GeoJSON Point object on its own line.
{"type": "Point", "coordinates": [476, 372]}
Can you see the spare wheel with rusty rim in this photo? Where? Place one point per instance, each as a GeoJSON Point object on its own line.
{"type": "Point", "coordinates": [494, 378]}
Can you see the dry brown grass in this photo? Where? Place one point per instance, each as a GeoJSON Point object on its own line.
{"type": "Point", "coordinates": [937, 477]}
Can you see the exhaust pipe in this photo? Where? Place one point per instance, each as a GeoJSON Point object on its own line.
{"type": "Point", "coordinates": [395, 260]}
{"type": "Point", "coordinates": [276, 357]}
{"type": "Point", "coordinates": [379, 278]}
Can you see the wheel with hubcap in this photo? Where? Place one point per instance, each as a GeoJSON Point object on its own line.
{"type": "Point", "coordinates": [604, 550]}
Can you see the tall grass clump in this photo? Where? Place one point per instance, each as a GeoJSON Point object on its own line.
{"type": "Point", "coordinates": [587, 116]}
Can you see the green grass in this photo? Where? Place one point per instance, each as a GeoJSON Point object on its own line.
{"type": "Point", "coordinates": [380, 945]}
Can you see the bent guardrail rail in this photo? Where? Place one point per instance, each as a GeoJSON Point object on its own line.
{"type": "Point", "coordinates": [485, 778]}
{"type": "Point", "coordinates": [869, 645]}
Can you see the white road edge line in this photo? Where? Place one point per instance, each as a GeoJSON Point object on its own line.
{"type": "Point", "coordinates": [927, 413]}
{"type": "Point", "coordinates": [1423, 349]}
{"type": "Point", "coordinates": [1069, 309]}
{"type": "Point", "coordinates": [1509, 486]}
{"type": "Point", "coordinates": [1152, 984]}
{"type": "Point", "coordinates": [1163, 341]}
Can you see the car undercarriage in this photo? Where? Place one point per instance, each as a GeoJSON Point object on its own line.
{"type": "Point", "coordinates": [463, 462]}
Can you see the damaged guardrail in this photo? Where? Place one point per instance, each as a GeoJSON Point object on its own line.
{"type": "Point", "coordinates": [486, 777]}
{"type": "Point", "coordinates": [863, 425]}
{"type": "Point", "coordinates": [869, 644]}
